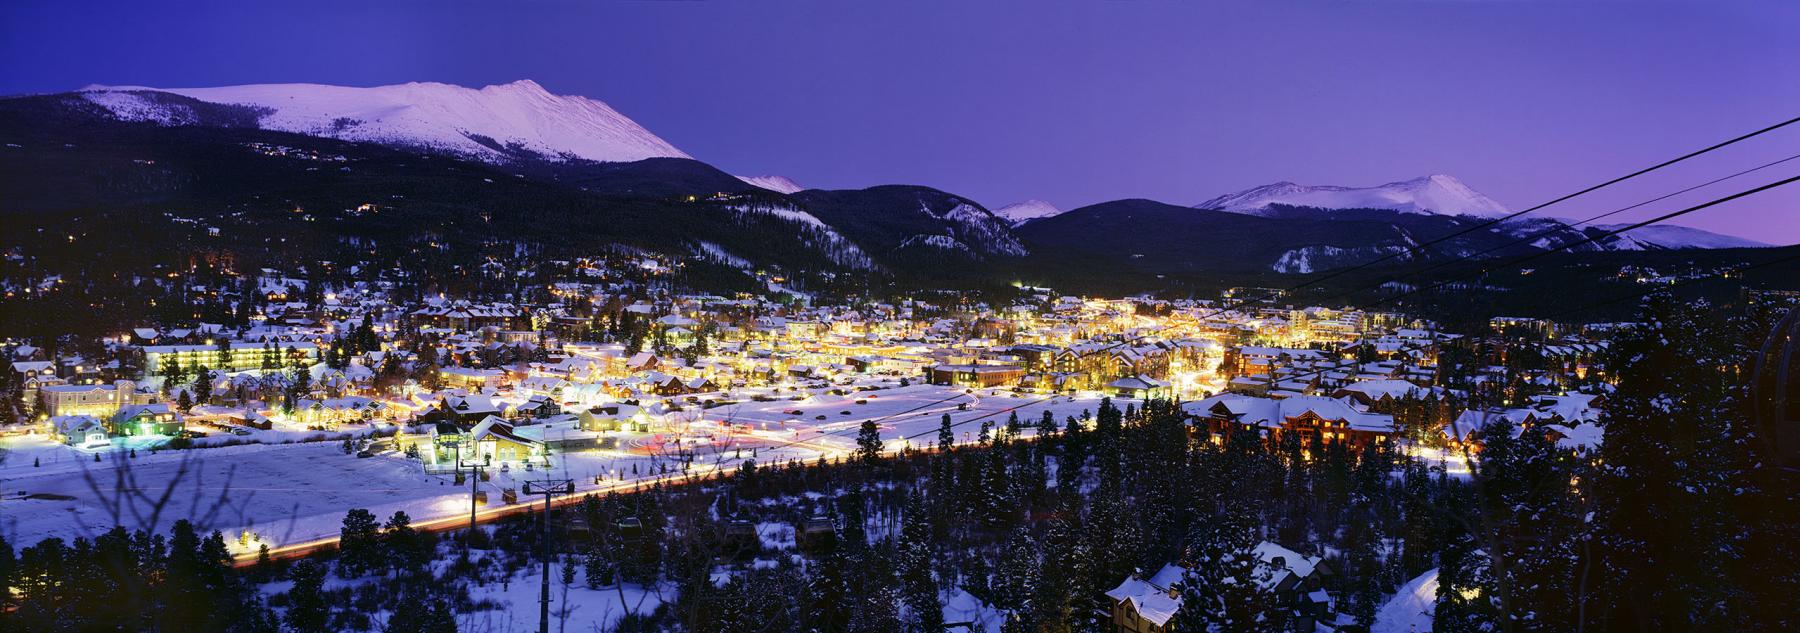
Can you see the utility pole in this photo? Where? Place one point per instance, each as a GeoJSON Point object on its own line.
{"type": "Point", "coordinates": [547, 487]}
{"type": "Point", "coordinates": [475, 468]}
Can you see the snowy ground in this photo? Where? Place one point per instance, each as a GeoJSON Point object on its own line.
{"type": "Point", "coordinates": [295, 493]}
{"type": "Point", "coordinates": [1411, 608]}
{"type": "Point", "coordinates": [280, 491]}
{"type": "Point", "coordinates": [573, 607]}
{"type": "Point", "coordinates": [292, 493]}
{"type": "Point", "coordinates": [906, 415]}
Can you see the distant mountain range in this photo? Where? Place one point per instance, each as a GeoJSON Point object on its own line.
{"type": "Point", "coordinates": [573, 171]}
{"type": "Point", "coordinates": [1438, 194]}
{"type": "Point", "coordinates": [1019, 213]}
{"type": "Point", "coordinates": [1670, 236]}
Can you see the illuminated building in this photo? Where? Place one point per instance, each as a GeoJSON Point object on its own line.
{"type": "Point", "coordinates": [235, 356]}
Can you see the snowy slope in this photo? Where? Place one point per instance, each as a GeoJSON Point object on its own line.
{"type": "Point", "coordinates": [1670, 236]}
{"type": "Point", "coordinates": [980, 229]}
{"type": "Point", "coordinates": [1411, 609]}
{"type": "Point", "coordinates": [494, 123]}
{"type": "Point", "coordinates": [779, 184]}
{"type": "Point", "coordinates": [1438, 194]}
{"type": "Point", "coordinates": [1021, 212]}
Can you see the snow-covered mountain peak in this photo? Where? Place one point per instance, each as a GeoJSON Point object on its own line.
{"type": "Point", "coordinates": [1021, 212]}
{"type": "Point", "coordinates": [493, 123]}
{"type": "Point", "coordinates": [1436, 193]}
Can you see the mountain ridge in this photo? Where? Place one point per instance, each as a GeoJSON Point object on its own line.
{"type": "Point", "coordinates": [1433, 194]}
{"type": "Point", "coordinates": [495, 123]}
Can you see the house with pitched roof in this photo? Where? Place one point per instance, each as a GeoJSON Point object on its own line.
{"type": "Point", "coordinates": [498, 443]}
{"type": "Point", "coordinates": [1143, 604]}
{"type": "Point", "coordinates": [1329, 419]}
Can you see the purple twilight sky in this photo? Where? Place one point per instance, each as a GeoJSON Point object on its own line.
{"type": "Point", "coordinates": [1074, 102]}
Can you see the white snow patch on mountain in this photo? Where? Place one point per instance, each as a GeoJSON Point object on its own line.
{"type": "Point", "coordinates": [778, 184]}
{"type": "Point", "coordinates": [785, 213]}
{"type": "Point", "coordinates": [815, 233]}
{"type": "Point", "coordinates": [1657, 236]}
{"type": "Point", "coordinates": [131, 106]}
{"type": "Point", "coordinates": [944, 242]}
{"type": "Point", "coordinates": [715, 253]}
{"type": "Point", "coordinates": [1300, 260]}
{"type": "Point", "coordinates": [1019, 213]}
{"type": "Point", "coordinates": [1307, 259]}
{"type": "Point", "coordinates": [493, 123]}
{"type": "Point", "coordinates": [982, 229]}
{"type": "Point", "coordinates": [1437, 194]}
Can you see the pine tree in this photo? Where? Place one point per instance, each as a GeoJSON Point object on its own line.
{"type": "Point", "coordinates": [359, 543]}
{"type": "Point", "coordinates": [828, 593]}
{"type": "Point", "coordinates": [308, 611]}
{"type": "Point", "coordinates": [265, 566]}
{"type": "Point", "coordinates": [1685, 506]}
{"type": "Point", "coordinates": [918, 589]}
{"type": "Point", "coordinates": [946, 437]}
{"type": "Point", "coordinates": [1362, 563]}
{"type": "Point", "coordinates": [405, 547]}
{"type": "Point", "coordinates": [202, 386]}
{"type": "Point", "coordinates": [868, 442]}
{"type": "Point", "coordinates": [852, 516]}
{"type": "Point", "coordinates": [1016, 574]}
{"type": "Point", "coordinates": [1466, 597]}
{"type": "Point", "coordinates": [598, 569]}
{"type": "Point", "coordinates": [877, 596]}
{"type": "Point", "coordinates": [1224, 589]}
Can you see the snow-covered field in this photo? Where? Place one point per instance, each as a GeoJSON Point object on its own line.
{"type": "Point", "coordinates": [281, 491]}
{"type": "Point", "coordinates": [291, 493]}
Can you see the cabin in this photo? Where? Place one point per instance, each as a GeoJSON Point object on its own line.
{"type": "Point", "coordinates": [81, 431]}
{"type": "Point", "coordinates": [1147, 604]}
{"type": "Point", "coordinates": [1296, 582]}
{"type": "Point", "coordinates": [537, 407]}
{"type": "Point", "coordinates": [497, 442]}
{"type": "Point", "coordinates": [146, 419]}
{"type": "Point", "coordinates": [614, 417]}
{"type": "Point", "coordinates": [469, 409]}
